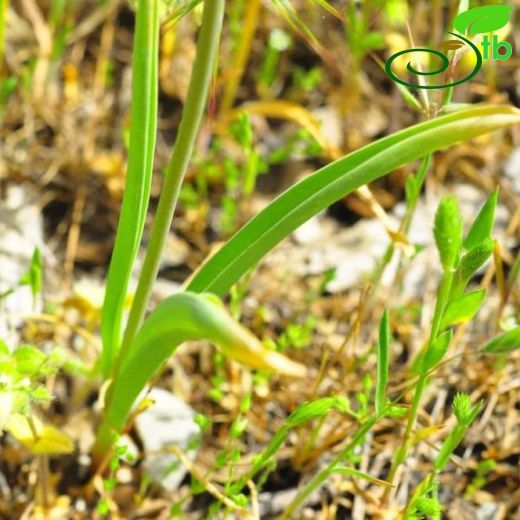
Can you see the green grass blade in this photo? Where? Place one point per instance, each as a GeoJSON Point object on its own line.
{"type": "Point", "coordinates": [336, 180]}
{"type": "Point", "coordinates": [139, 175]}
{"type": "Point", "coordinates": [305, 413]}
{"type": "Point", "coordinates": [383, 348]}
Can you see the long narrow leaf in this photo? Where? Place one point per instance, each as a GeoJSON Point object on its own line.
{"type": "Point", "coordinates": [139, 175]}
{"type": "Point", "coordinates": [336, 180]}
{"type": "Point", "coordinates": [179, 318]}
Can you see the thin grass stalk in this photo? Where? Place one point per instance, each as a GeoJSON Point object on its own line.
{"type": "Point", "coordinates": [404, 226]}
{"type": "Point", "coordinates": [207, 49]}
{"type": "Point", "coordinates": [242, 53]}
{"type": "Point", "coordinates": [322, 475]}
{"type": "Point", "coordinates": [4, 6]}
{"type": "Point", "coordinates": [422, 383]}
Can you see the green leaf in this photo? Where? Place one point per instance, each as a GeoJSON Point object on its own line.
{"type": "Point", "coordinates": [484, 19]}
{"type": "Point", "coordinates": [463, 309]}
{"type": "Point", "coordinates": [504, 343]}
{"type": "Point", "coordinates": [383, 347]}
{"type": "Point", "coordinates": [29, 360]}
{"type": "Point", "coordinates": [303, 414]}
{"type": "Point", "coordinates": [33, 277]}
{"type": "Point", "coordinates": [41, 394]}
{"type": "Point", "coordinates": [435, 352]}
{"type": "Point", "coordinates": [448, 232]}
{"type": "Point", "coordinates": [318, 408]}
{"type": "Point", "coordinates": [139, 175]}
{"type": "Point", "coordinates": [179, 318]}
{"type": "Point", "coordinates": [333, 182]}
{"type": "Point", "coordinates": [470, 263]}
{"type": "Point", "coordinates": [483, 226]}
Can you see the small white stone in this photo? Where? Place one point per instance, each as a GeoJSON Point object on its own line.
{"type": "Point", "coordinates": [168, 422]}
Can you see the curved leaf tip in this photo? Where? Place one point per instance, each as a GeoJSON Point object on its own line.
{"type": "Point", "coordinates": [183, 317]}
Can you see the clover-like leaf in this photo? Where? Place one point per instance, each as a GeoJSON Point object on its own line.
{"type": "Point", "coordinates": [483, 19]}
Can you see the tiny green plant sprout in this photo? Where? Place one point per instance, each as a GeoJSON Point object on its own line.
{"type": "Point", "coordinates": [133, 355]}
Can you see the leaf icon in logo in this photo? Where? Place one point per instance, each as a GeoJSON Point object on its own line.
{"type": "Point", "coordinates": [451, 45]}
{"type": "Point", "coordinates": [484, 19]}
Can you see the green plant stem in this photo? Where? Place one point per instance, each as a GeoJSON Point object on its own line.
{"type": "Point", "coordinates": [322, 475]}
{"type": "Point", "coordinates": [404, 226]}
{"type": "Point", "coordinates": [402, 452]}
{"type": "Point", "coordinates": [207, 49]}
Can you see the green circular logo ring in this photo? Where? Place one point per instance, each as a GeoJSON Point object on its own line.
{"type": "Point", "coordinates": [440, 70]}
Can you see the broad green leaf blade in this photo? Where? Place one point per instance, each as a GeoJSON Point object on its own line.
{"type": "Point", "coordinates": [483, 225]}
{"type": "Point", "coordinates": [504, 343]}
{"type": "Point", "coordinates": [336, 180]}
{"type": "Point", "coordinates": [448, 232]}
{"type": "Point", "coordinates": [484, 19]}
{"type": "Point", "coordinates": [179, 318]}
{"type": "Point", "coordinates": [463, 309]}
{"type": "Point", "coordinates": [383, 348]}
{"type": "Point", "coordinates": [139, 175]}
